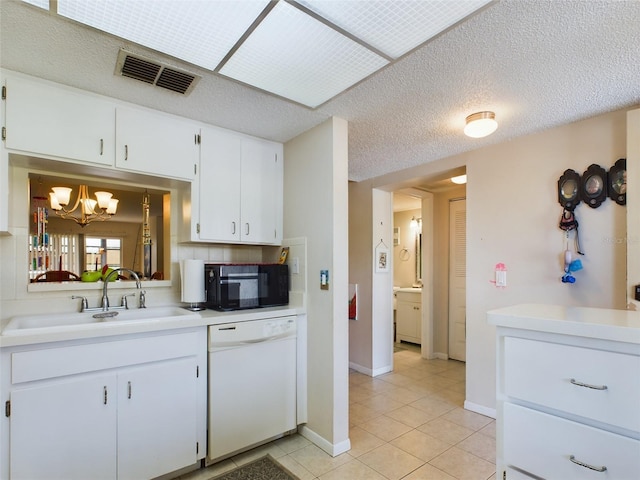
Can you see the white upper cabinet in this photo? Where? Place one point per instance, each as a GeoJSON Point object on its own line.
{"type": "Point", "coordinates": [261, 188]}
{"type": "Point", "coordinates": [219, 202]}
{"type": "Point", "coordinates": [240, 191]}
{"type": "Point", "coordinates": [162, 145]}
{"type": "Point", "coordinates": [54, 120]}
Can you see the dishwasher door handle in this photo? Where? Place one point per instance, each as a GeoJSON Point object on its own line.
{"type": "Point", "coordinates": [240, 343]}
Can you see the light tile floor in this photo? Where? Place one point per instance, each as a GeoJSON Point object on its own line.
{"type": "Point", "coordinates": [408, 424]}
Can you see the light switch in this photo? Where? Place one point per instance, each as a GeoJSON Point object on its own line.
{"type": "Point", "coordinates": [295, 265]}
{"type": "Point", "coordinates": [324, 279]}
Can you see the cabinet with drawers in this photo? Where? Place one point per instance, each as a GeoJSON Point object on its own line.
{"type": "Point", "coordinates": [568, 392]}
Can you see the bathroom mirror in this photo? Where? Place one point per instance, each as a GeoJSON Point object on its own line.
{"type": "Point", "coordinates": [60, 250]}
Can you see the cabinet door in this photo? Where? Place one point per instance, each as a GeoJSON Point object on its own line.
{"type": "Point", "coordinates": [219, 199]}
{"type": "Point", "coordinates": [157, 418]}
{"type": "Point", "coordinates": [59, 121]}
{"type": "Point", "coordinates": [65, 430]}
{"type": "Point", "coordinates": [156, 144]}
{"type": "Point", "coordinates": [407, 319]}
{"type": "Point", "coordinates": [261, 192]}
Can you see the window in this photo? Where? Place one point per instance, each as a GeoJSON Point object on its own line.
{"type": "Point", "coordinates": [102, 251]}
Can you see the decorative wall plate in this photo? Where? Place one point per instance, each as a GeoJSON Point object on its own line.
{"type": "Point", "coordinates": [617, 181]}
{"type": "Point", "coordinates": [568, 189]}
{"type": "Point", "coordinates": [593, 187]}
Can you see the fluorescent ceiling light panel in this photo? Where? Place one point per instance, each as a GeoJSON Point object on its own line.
{"type": "Point", "coordinates": [394, 27]}
{"type": "Point", "coordinates": [294, 56]}
{"type": "Point", "coordinates": [197, 31]}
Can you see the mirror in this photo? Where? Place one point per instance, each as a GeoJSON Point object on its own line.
{"type": "Point", "coordinates": [62, 250]}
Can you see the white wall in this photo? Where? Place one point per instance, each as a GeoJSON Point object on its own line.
{"type": "Point", "coordinates": [512, 216]}
{"type": "Point", "coordinates": [315, 207]}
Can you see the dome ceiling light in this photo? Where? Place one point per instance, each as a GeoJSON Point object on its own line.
{"type": "Point", "coordinates": [480, 124]}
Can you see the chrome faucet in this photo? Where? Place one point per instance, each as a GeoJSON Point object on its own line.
{"type": "Point", "coordinates": [105, 298]}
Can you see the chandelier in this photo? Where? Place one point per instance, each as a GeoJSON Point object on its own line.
{"type": "Point", "coordinates": [103, 208]}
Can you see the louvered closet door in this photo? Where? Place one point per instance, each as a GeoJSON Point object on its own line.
{"type": "Point", "coordinates": [457, 279]}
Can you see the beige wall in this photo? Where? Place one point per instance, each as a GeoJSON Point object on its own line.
{"type": "Point", "coordinates": [512, 216]}
{"type": "Point", "coordinates": [315, 207]}
{"type": "Point", "coordinates": [360, 267]}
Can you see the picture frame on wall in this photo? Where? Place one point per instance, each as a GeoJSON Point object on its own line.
{"type": "Point", "coordinates": [382, 258]}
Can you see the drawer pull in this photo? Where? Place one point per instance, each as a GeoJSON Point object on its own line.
{"type": "Point", "coordinates": [586, 465]}
{"type": "Point", "coordinates": [586, 385]}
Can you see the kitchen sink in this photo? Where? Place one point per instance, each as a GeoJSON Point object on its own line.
{"type": "Point", "coordinates": [44, 323]}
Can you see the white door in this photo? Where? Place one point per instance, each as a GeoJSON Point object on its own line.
{"type": "Point", "coordinates": [157, 430]}
{"type": "Point", "coordinates": [65, 430]}
{"type": "Point", "coordinates": [457, 279]}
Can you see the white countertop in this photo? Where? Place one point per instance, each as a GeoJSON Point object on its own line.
{"type": "Point", "coordinates": [601, 323]}
{"type": "Point", "coordinates": [104, 329]}
{"type": "Point", "coordinates": [409, 289]}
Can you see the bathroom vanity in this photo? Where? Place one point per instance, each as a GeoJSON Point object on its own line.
{"type": "Point", "coordinates": [409, 315]}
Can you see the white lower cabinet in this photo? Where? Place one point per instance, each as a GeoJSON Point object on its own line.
{"type": "Point", "coordinates": [409, 317]}
{"type": "Point", "coordinates": [64, 430]}
{"type": "Point", "coordinates": [568, 393]}
{"type": "Point", "coordinates": [550, 446]}
{"type": "Point", "coordinates": [157, 422]}
{"type": "Point", "coordinates": [130, 409]}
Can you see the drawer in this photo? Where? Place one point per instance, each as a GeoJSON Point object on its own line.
{"type": "Point", "coordinates": [543, 445]}
{"type": "Point", "coordinates": [70, 360]}
{"type": "Point", "coordinates": [542, 373]}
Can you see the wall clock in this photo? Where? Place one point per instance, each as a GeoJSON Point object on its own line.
{"type": "Point", "coordinates": [593, 187]}
{"type": "Point", "coordinates": [618, 182]}
{"type": "Point", "coordinates": [568, 189]}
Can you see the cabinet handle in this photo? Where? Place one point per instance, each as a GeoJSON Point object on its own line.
{"type": "Point", "coordinates": [586, 465]}
{"type": "Point", "coordinates": [129, 390]}
{"type": "Point", "coordinates": [101, 146]}
{"type": "Point", "coordinates": [105, 394]}
{"type": "Point", "coordinates": [233, 224]}
{"type": "Point", "coordinates": [126, 153]}
{"type": "Point", "coordinates": [586, 385]}
{"type": "Point", "coordinates": [247, 224]}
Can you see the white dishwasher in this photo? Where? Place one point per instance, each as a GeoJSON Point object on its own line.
{"type": "Point", "coordinates": [252, 383]}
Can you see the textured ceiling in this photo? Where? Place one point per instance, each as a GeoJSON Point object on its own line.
{"type": "Point", "coordinates": [537, 64]}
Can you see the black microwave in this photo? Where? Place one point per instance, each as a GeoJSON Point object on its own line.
{"type": "Point", "coordinates": [240, 286]}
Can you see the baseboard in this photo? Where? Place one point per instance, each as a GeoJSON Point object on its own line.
{"type": "Point", "coordinates": [360, 369]}
{"type": "Point", "coordinates": [441, 356]}
{"type": "Point", "coordinates": [332, 449]}
{"type": "Point", "coordinates": [481, 409]}
{"type": "Point", "coordinates": [382, 370]}
{"type": "Point", "coordinates": [367, 371]}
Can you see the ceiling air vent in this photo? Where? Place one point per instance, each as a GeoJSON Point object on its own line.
{"type": "Point", "coordinates": [155, 73]}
